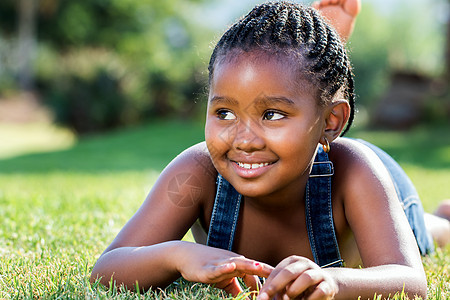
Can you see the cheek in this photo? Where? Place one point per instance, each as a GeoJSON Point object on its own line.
{"type": "Point", "coordinates": [294, 142]}
{"type": "Point", "coordinates": [214, 140]}
{"type": "Point", "coordinates": [209, 133]}
{"type": "Point", "coordinates": [290, 134]}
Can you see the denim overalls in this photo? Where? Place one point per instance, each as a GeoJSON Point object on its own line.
{"type": "Point", "coordinates": [318, 210]}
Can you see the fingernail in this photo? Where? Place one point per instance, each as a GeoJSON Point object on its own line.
{"type": "Point", "coordinates": [263, 296]}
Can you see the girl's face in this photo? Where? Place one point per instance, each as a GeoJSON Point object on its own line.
{"type": "Point", "coordinates": [263, 125]}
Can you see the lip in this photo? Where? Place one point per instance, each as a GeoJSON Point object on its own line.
{"type": "Point", "coordinates": [251, 173]}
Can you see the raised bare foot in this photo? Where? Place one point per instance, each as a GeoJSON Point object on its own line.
{"type": "Point", "coordinates": [341, 14]}
{"type": "Point", "coordinates": [443, 209]}
{"type": "Point", "coordinates": [439, 228]}
{"type": "Point", "coordinates": [438, 224]}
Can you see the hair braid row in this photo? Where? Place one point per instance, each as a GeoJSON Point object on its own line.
{"type": "Point", "coordinates": [307, 27]}
{"type": "Point", "coordinates": [280, 25]}
{"type": "Point", "coordinates": [287, 27]}
{"type": "Point", "coordinates": [265, 22]}
{"type": "Point", "coordinates": [295, 21]}
{"type": "Point", "coordinates": [321, 37]}
{"type": "Point", "coordinates": [351, 99]}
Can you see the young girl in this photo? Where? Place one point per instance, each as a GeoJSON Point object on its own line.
{"type": "Point", "coordinates": [279, 194]}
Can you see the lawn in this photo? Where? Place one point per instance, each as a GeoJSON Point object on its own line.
{"type": "Point", "coordinates": [63, 200]}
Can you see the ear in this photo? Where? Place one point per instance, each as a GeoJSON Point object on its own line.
{"type": "Point", "coordinates": [336, 116]}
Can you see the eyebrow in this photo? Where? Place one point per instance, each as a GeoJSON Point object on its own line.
{"type": "Point", "coordinates": [216, 100]}
{"type": "Point", "coordinates": [275, 99]}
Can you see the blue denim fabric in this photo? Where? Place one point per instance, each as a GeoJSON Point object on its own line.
{"type": "Point", "coordinates": [409, 199]}
{"type": "Point", "coordinates": [319, 213]}
{"type": "Point", "coordinates": [224, 216]}
{"type": "Point", "coordinates": [318, 210]}
{"type": "Point", "coordinates": [319, 216]}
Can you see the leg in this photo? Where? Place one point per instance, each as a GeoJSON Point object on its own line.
{"type": "Point", "coordinates": [409, 200]}
{"type": "Point", "coordinates": [443, 210]}
{"type": "Point", "coordinates": [199, 233]}
{"type": "Point", "coordinates": [341, 14]}
{"type": "Point", "coordinates": [439, 228]}
{"type": "Point", "coordinates": [439, 223]}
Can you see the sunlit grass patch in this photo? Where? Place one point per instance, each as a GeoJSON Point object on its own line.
{"type": "Point", "coordinates": [56, 222]}
{"type": "Point", "coordinates": [23, 138]}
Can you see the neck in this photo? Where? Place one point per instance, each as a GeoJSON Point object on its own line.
{"type": "Point", "coordinates": [286, 199]}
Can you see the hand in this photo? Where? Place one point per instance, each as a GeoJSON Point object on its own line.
{"type": "Point", "coordinates": [298, 277]}
{"type": "Point", "coordinates": [199, 263]}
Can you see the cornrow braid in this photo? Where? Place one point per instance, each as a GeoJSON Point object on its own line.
{"type": "Point", "coordinates": [293, 28]}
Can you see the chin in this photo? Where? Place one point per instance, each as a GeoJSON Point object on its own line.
{"type": "Point", "coordinates": [250, 189]}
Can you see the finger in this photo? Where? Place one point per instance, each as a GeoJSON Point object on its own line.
{"type": "Point", "coordinates": [325, 3]}
{"type": "Point", "coordinates": [307, 279]}
{"type": "Point", "coordinates": [293, 264]}
{"type": "Point", "coordinates": [278, 280]}
{"type": "Point", "coordinates": [237, 268]}
{"type": "Point", "coordinates": [252, 282]}
{"type": "Point", "coordinates": [252, 267]}
{"type": "Point", "coordinates": [220, 272]}
{"type": "Point", "coordinates": [324, 290]}
{"type": "Point", "coordinates": [352, 7]}
{"type": "Point", "coordinates": [315, 4]}
{"type": "Point", "coordinates": [285, 273]}
{"type": "Point", "coordinates": [233, 287]}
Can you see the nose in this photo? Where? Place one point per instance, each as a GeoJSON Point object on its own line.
{"type": "Point", "coordinates": [248, 137]}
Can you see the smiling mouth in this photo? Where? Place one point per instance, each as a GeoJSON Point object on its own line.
{"type": "Point", "coordinates": [251, 166]}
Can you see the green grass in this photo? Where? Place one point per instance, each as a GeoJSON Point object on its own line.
{"type": "Point", "coordinates": [424, 154]}
{"type": "Point", "coordinates": [59, 210]}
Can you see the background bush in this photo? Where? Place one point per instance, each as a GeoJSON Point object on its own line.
{"type": "Point", "coordinates": [153, 55]}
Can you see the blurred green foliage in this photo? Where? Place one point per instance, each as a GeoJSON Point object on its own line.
{"type": "Point", "coordinates": [101, 64]}
{"type": "Point", "coordinates": [407, 36]}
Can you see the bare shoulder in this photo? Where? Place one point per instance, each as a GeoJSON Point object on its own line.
{"type": "Point", "coordinates": [181, 194]}
{"type": "Point", "coordinates": [371, 206]}
{"type": "Point", "coordinates": [191, 173]}
{"type": "Point", "coordinates": [359, 171]}
{"type": "Point", "coordinates": [195, 159]}
{"type": "Point", "coordinates": [352, 158]}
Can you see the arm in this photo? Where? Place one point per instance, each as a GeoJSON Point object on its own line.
{"type": "Point", "coordinates": [385, 241]}
{"type": "Point", "coordinates": [296, 276]}
{"type": "Point", "coordinates": [126, 265]}
{"type": "Point", "coordinates": [383, 280]}
{"type": "Point", "coordinates": [148, 249]}
{"type": "Point", "coordinates": [160, 264]}
{"type": "Point", "coordinates": [384, 237]}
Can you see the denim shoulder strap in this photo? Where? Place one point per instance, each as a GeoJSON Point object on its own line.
{"type": "Point", "coordinates": [319, 213]}
{"type": "Point", "coordinates": [224, 215]}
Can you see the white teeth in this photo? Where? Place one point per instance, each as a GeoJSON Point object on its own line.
{"type": "Point", "coordinates": [252, 166]}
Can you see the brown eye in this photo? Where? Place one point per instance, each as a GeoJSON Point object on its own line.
{"type": "Point", "coordinates": [273, 115]}
{"type": "Point", "coordinates": [225, 115]}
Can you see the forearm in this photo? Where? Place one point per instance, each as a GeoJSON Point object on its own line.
{"type": "Point", "coordinates": [159, 265]}
{"type": "Point", "coordinates": [149, 266]}
{"type": "Point", "coordinates": [385, 280]}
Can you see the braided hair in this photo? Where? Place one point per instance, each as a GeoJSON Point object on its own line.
{"type": "Point", "coordinates": [292, 28]}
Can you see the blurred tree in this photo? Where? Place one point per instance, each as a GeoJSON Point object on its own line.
{"type": "Point", "coordinates": [393, 40]}
{"type": "Point", "coordinates": [369, 54]}
{"type": "Point", "coordinates": [27, 25]}
{"type": "Point", "coordinates": [18, 18]}
{"type": "Point", "coordinates": [400, 62]}
{"type": "Point", "coordinates": [447, 51]}
{"type": "Point", "coordinates": [156, 52]}
{"type": "Point", "coordinates": [153, 50]}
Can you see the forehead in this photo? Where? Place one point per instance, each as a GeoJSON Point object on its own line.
{"type": "Point", "coordinates": [279, 73]}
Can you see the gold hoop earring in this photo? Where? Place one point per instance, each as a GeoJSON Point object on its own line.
{"type": "Point", "coordinates": [326, 146]}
